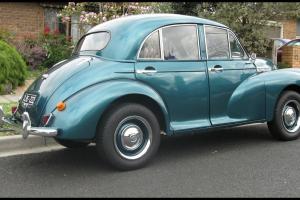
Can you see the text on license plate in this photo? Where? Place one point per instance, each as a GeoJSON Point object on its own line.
{"type": "Point", "coordinates": [29, 99]}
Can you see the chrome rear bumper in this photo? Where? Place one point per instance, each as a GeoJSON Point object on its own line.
{"type": "Point", "coordinates": [26, 128]}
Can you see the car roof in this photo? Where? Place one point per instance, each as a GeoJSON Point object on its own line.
{"type": "Point", "coordinates": [127, 33]}
{"type": "Point", "coordinates": [282, 39]}
{"type": "Point", "coordinates": [292, 41]}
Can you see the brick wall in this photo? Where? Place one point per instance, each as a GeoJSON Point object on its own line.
{"type": "Point", "coordinates": [289, 29]}
{"type": "Point", "coordinates": [22, 19]}
{"type": "Point", "coordinates": [291, 56]}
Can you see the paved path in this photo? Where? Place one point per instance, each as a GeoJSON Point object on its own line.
{"type": "Point", "coordinates": [239, 162]}
{"type": "Point", "coordinates": [10, 98]}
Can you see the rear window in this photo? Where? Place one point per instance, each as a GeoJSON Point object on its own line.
{"type": "Point", "coordinates": [93, 42]}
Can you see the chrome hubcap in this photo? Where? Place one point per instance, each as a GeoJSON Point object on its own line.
{"type": "Point", "coordinates": [291, 116]}
{"type": "Point", "coordinates": [133, 137]}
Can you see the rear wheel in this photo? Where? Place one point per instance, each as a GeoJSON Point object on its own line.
{"type": "Point", "coordinates": [71, 144]}
{"type": "Point", "coordinates": [286, 122]}
{"type": "Point", "coordinates": [129, 136]}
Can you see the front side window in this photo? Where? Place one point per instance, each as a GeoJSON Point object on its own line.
{"type": "Point", "coordinates": [180, 42]}
{"type": "Point", "coordinates": [93, 42]}
{"type": "Point", "coordinates": [235, 47]}
{"type": "Point", "coordinates": [151, 48]}
{"type": "Point", "coordinates": [217, 43]}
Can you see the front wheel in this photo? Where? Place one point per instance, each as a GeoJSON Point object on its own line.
{"type": "Point", "coordinates": [129, 136]}
{"type": "Point", "coordinates": [286, 122]}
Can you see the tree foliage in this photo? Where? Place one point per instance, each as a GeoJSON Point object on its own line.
{"type": "Point", "coordinates": [248, 20]}
{"type": "Point", "coordinates": [93, 13]}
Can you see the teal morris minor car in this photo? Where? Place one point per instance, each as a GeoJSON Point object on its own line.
{"type": "Point", "coordinates": [131, 79]}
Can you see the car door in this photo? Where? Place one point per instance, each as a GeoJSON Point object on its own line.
{"type": "Point", "coordinates": [169, 61]}
{"type": "Point", "coordinates": [228, 67]}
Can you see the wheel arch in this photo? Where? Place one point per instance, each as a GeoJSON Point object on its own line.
{"type": "Point", "coordinates": [142, 100]}
{"type": "Point", "coordinates": [270, 109]}
{"type": "Point", "coordinates": [80, 120]}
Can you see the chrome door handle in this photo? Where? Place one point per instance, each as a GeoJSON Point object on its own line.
{"type": "Point", "coordinates": [144, 71]}
{"type": "Point", "coordinates": [149, 70]}
{"type": "Point", "coordinates": [215, 69]}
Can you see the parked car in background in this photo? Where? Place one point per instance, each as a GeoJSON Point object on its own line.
{"type": "Point", "coordinates": [132, 79]}
{"type": "Point", "coordinates": [295, 42]}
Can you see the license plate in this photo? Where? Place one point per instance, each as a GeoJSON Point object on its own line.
{"type": "Point", "coordinates": [28, 99]}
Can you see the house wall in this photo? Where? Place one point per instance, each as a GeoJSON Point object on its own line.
{"type": "Point", "coordinates": [289, 29]}
{"type": "Point", "coordinates": [22, 19]}
{"type": "Point", "coordinates": [291, 55]}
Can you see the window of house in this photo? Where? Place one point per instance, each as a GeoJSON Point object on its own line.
{"type": "Point", "coordinates": [180, 42]}
{"type": "Point", "coordinates": [217, 43]}
{"type": "Point", "coordinates": [151, 47]}
{"type": "Point", "coordinates": [52, 23]}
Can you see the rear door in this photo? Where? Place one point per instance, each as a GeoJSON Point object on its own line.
{"type": "Point", "coordinates": [169, 61]}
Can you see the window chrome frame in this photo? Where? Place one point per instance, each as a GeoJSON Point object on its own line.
{"type": "Point", "coordinates": [161, 45]}
{"type": "Point", "coordinates": [228, 31]}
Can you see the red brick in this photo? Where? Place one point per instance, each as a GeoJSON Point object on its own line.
{"type": "Point", "coordinates": [22, 18]}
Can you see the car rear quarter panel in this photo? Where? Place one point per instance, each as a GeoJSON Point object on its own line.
{"type": "Point", "coordinates": [83, 111]}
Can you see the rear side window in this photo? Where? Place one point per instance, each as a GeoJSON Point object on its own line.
{"type": "Point", "coordinates": [217, 43]}
{"type": "Point", "coordinates": [180, 42]}
{"type": "Point", "coordinates": [93, 42]}
{"type": "Point", "coordinates": [151, 47]}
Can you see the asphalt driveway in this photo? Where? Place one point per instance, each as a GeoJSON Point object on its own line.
{"type": "Point", "coordinates": [238, 162]}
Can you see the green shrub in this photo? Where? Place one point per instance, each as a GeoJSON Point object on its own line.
{"type": "Point", "coordinates": [6, 36]}
{"type": "Point", "coordinates": [32, 52]}
{"type": "Point", "coordinates": [58, 48]}
{"type": "Point", "coordinates": [12, 68]}
{"type": "Point", "coordinates": [283, 65]}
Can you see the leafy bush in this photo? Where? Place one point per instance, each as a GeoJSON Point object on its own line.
{"type": "Point", "coordinates": [283, 65]}
{"type": "Point", "coordinates": [12, 68]}
{"type": "Point", "coordinates": [6, 36]}
{"type": "Point", "coordinates": [32, 52]}
{"type": "Point", "coordinates": [58, 48]}
{"type": "Point", "coordinates": [45, 51]}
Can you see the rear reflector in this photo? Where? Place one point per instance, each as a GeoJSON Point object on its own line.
{"type": "Point", "coordinates": [46, 119]}
{"type": "Point", "coordinates": [14, 109]}
{"type": "Point", "coordinates": [61, 106]}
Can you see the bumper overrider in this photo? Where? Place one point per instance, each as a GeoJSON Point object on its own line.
{"type": "Point", "coordinates": [25, 126]}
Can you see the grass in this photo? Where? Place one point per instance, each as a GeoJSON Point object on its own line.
{"type": "Point", "coordinates": [7, 111]}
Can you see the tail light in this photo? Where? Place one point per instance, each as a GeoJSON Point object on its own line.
{"type": "Point", "coordinates": [14, 109]}
{"type": "Point", "coordinates": [46, 119]}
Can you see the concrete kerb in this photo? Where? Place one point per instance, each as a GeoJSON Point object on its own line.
{"type": "Point", "coordinates": [16, 145]}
